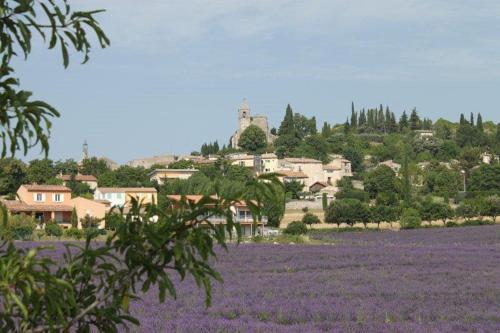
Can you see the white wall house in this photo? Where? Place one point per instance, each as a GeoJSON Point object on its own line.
{"type": "Point", "coordinates": [116, 198]}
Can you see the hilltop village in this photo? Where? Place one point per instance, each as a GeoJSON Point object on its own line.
{"type": "Point", "coordinates": [372, 161]}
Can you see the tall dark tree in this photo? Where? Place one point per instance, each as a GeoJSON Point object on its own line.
{"type": "Point", "coordinates": [479, 122]}
{"type": "Point", "coordinates": [403, 121]}
{"type": "Point", "coordinates": [287, 125]}
{"type": "Point", "coordinates": [462, 119]}
{"type": "Point", "coordinates": [362, 118]}
{"type": "Point", "coordinates": [415, 122]}
{"type": "Point", "coordinates": [325, 131]}
{"type": "Point", "coordinates": [471, 119]}
{"type": "Point", "coordinates": [381, 119]}
{"type": "Point", "coordinates": [354, 117]}
{"type": "Point", "coordinates": [347, 127]}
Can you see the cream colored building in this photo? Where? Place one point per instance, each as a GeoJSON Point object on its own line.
{"type": "Point", "coordinates": [312, 168]}
{"type": "Point", "coordinates": [162, 175]}
{"type": "Point", "coordinates": [338, 168]}
{"type": "Point", "coordinates": [122, 196]}
{"type": "Point", "coordinates": [265, 163]}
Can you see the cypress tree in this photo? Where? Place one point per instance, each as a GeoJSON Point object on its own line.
{"type": "Point", "coordinates": [371, 119]}
{"type": "Point", "coordinates": [347, 128]}
{"type": "Point", "coordinates": [479, 122]}
{"type": "Point", "coordinates": [403, 121]}
{"type": "Point", "coordinates": [381, 119]}
{"type": "Point", "coordinates": [354, 117]}
{"type": "Point", "coordinates": [362, 118]}
{"type": "Point", "coordinates": [74, 218]}
{"type": "Point", "coordinates": [462, 119]}
{"type": "Point", "coordinates": [387, 119]}
{"type": "Point", "coordinates": [472, 119]}
{"type": "Point", "coordinates": [325, 131]}
{"type": "Point", "coordinates": [287, 125]}
{"type": "Point", "coordinates": [312, 126]}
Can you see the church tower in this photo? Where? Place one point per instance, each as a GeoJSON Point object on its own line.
{"type": "Point", "coordinates": [85, 150]}
{"type": "Point", "coordinates": [244, 115]}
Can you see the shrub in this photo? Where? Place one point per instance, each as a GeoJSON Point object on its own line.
{"type": "Point", "coordinates": [89, 222]}
{"type": "Point", "coordinates": [20, 227]}
{"type": "Point", "coordinates": [53, 229]}
{"type": "Point", "coordinates": [310, 219]}
{"type": "Point", "coordinates": [410, 219]}
{"type": "Point", "coordinates": [91, 232]}
{"type": "Point", "coordinates": [451, 224]}
{"type": "Point", "coordinates": [73, 233]}
{"type": "Point", "coordinates": [296, 228]}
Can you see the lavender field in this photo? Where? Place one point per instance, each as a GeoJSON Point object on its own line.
{"type": "Point", "coordinates": [434, 280]}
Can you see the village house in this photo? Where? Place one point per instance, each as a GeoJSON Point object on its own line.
{"type": "Point", "coordinates": [288, 176]}
{"type": "Point", "coordinates": [90, 180]}
{"type": "Point", "coordinates": [312, 168]}
{"type": "Point", "coordinates": [122, 196]}
{"type": "Point", "coordinates": [391, 164]}
{"type": "Point", "coordinates": [240, 210]}
{"type": "Point", "coordinates": [162, 175]}
{"type": "Point", "coordinates": [338, 168]}
{"type": "Point", "coordinates": [53, 203]}
{"type": "Point", "coordinates": [265, 163]}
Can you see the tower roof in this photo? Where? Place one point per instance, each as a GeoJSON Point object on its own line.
{"type": "Point", "coordinates": [244, 105]}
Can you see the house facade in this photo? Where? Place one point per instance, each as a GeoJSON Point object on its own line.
{"type": "Point", "coordinates": [53, 203]}
{"type": "Point", "coordinates": [312, 168]}
{"type": "Point", "coordinates": [122, 196]}
{"type": "Point", "coordinates": [162, 175]}
{"type": "Point", "coordinates": [241, 214]}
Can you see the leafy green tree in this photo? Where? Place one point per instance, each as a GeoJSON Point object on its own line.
{"type": "Point", "coordinates": [181, 164]}
{"type": "Point", "coordinates": [466, 210]}
{"type": "Point", "coordinates": [380, 180]}
{"type": "Point", "coordinates": [12, 175]}
{"type": "Point", "coordinates": [439, 180]}
{"type": "Point", "coordinates": [274, 208]}
{"type": "Point", "coordinates": [492, 207]}
{"type": "Point", "coordinates": [485, 178]}
{"type": "Point", "coordinates": [294, 188]}
{"type": "Point", "coordinates": [410, 219]}
{"type": "Point", "coordinates": [253, 139]}
{"type": "Point", "coordinates": [20, 21]}
{"type": "Point", "coordinates": [295, 228]}
{"type": "Point", "coordinates": [355, 156]}
{"type": "Point", "coordinates": [125, 176]}
{"type": "Point", "coordinates": [40, 171]}
{"type": "Point", "coordinates": [310, 219]}
{"type": "Point", "coordinates": [67, 167]}
{"type": "Point", "coordinates": [469, 158]}
{"type": "Point", "coordinates": [347, 211]}
{"type": "Point", "coordinates": [94, 166]}
{"type": "Point", "coordinates": [431, 211]}
{"type": "Point", "coordinates": [313, 146]}
{"type": "Point", "coordinates": [324, 201]}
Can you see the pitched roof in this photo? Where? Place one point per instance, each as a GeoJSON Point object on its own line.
{"type": "Point", "coordinates": [126, 189]}
{"type": "Point", "coordinates": [319, 183]}
{"type": "Point", "coordinates": [301, 160]}
{"type": "Point", "coordinates": [291, 174]}
{"type": "Point", "coordinates": [195, 198]}
{"type": "Point", "coordinates": [52, 188]}
{"type": "Point", "coordinates": [78, 177]}
{"type": "Point", "coordinates": [173, 171]}
{"type": "Point", "coordinates": [20, 206]}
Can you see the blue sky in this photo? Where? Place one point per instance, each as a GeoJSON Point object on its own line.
{"type": "Point", "coordinates": [177, 70]}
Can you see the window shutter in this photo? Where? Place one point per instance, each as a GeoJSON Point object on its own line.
{"type": "Point", "coordinates": [43, 197]}
{"type": "Point", "coordinates": [62, 197]}
{"type": "Point", "coordinates": [34, 196]}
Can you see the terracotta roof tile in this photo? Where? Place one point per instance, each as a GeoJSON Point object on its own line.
{"type": "Point", "coordinates": [126, 189]}
{"type": "Point", "coordinates": [54, 188]}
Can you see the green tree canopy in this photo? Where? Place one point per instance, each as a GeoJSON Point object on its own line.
{"type": "Point", "coordinates": [380, 180]}
{"type": "Point", "coordinates": [253, 139]}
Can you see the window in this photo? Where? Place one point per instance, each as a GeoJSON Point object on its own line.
{"type": "Point", "coordinates": [119, 195]}
{"type": "Point", "coordinates": [242, 163]}
{"type": "Point", "coordinates": [57, 197]}
{"type": "Point", "coordinates": [39, 197]}
{"type": "Point", "coordinates": [108, 196]}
